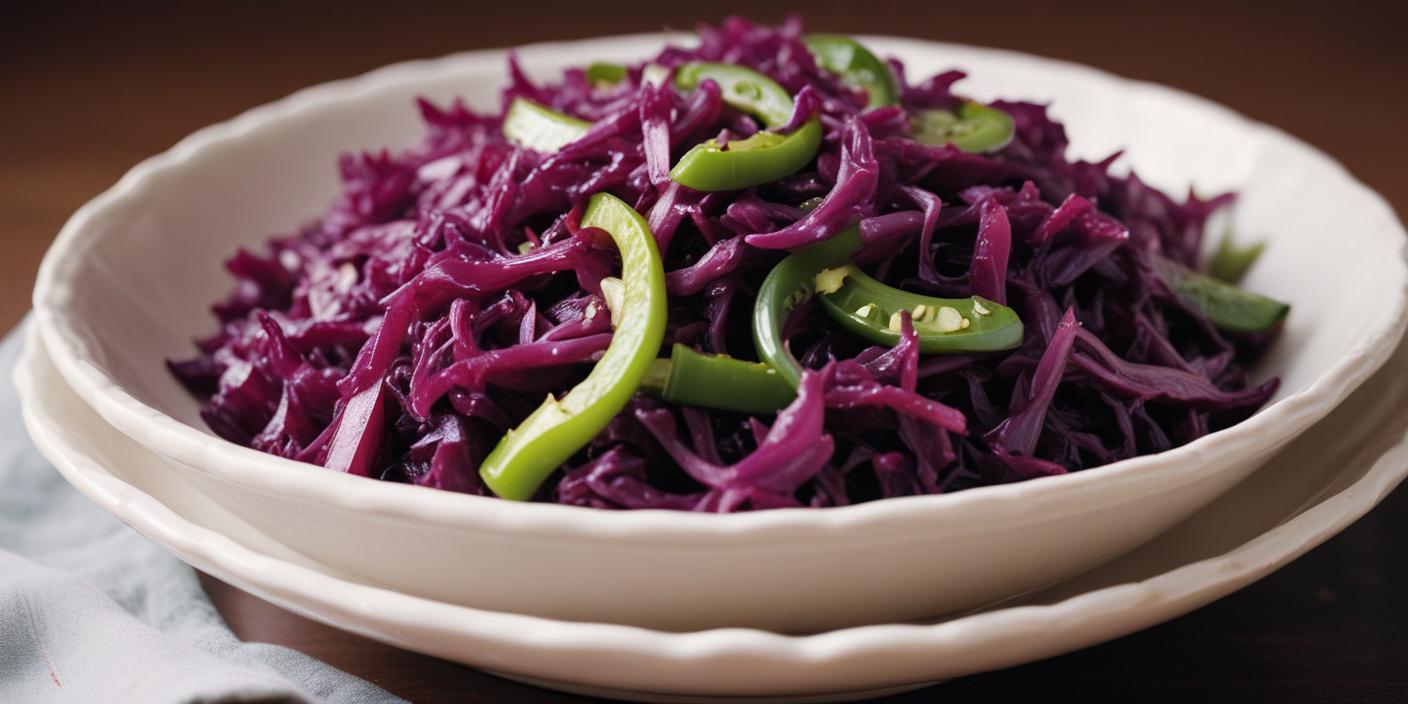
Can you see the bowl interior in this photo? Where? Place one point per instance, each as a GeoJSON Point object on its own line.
{"type": "Point", "coordinates": [139, 270]}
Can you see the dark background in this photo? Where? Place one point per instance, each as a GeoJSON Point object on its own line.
{"type": "Point", "coordinates": [86, 91]}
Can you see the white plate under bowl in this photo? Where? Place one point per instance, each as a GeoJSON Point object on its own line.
{"type": "Point", "coordinates": [128, 281]}
{"type": "Point", "coordinates": [1311, 491]}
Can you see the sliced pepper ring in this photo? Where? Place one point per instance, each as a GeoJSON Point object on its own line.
{"type": "Point", "coordinates": [871, 310]}
{"type": "Point", "coordinates": [788, 285]}
{"type": "Point", "coordinates": [974, 127]}
{"type": "Point", "coordinates": [743, 88]}
{"type": "Point", "coordinates": [761, 158]}
{"type": "Point", "coordinates": [855, 65]}
{"type": "Point", "coordinates": [529, 453]}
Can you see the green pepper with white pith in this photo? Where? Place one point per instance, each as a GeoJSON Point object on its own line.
{"type": "Point", "coordinates": [973, 127]}
{"type": "Point", "coordinates": [539, 128]}
{"type": "Point", "coordinates": [529, 453]}
{"type": "Point", "coordinates": [870, 309]}
{"type": "Point", "coordinates": [761, 158]}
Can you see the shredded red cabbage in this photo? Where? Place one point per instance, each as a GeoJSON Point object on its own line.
{"type": "Point", "coordinates": [443, 295]}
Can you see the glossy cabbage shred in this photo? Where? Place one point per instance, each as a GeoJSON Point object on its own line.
{"type": "Point", "coordinates": [445, 293]}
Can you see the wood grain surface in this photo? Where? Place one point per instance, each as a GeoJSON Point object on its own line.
{"type": "Point", "coordinates": [88, 90]}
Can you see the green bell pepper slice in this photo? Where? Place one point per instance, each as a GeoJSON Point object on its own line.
{"type": "Point", "coordinates": [869, 308]}
{"type": "Point", "coordinates": [539, 128]}
{"type": "Point", "coordinates": [974, 128]}
{"type": "Point", "coordinates": [717, 381]}
{"type": "Point", "coordinates": [762, 158]}
{"type": "Point", "coordinates": [855, 65]}
{"type": "Point", "coordinates": [872, 310]}
{"type": "Point", "coordinates": [529, 453]}
{"type": "Point", "coordinates": [743, 88]}
{"type": "Point", "coordinates": [787, 286]}
{"type": "Point", "coordinates": [1226, 306]}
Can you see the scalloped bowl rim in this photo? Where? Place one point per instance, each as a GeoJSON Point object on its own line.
{"type": "Point", "coordinates": [1274, 423]}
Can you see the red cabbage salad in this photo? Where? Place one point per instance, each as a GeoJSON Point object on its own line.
{"type": "Point", "coordinates": [767, 270]}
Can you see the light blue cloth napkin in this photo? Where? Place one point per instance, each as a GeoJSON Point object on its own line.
{"type": "Point", "coordinates": [90, 611]}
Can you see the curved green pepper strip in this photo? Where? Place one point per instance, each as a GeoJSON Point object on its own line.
{"type": "Point", "coordinates": [974, 128]}
{"type": "Point", "coordinates": [539, 128]}
{"type": "Point", "coordinates": [1228, 307]}
{"type": "Point", "coordinates": [790, 283]}
{"type": "Point", "coordinates": [555, 431]}
{"type": "Point", "coordinates": [603, 72]}
{"type": "Point", "coordinates": [717, 381]}
{"type": "Point", "coordinates": [743, 88]}
{"type": "Point", "coordinates": [871, 310]}
{"type": "Point", "coordinates": [855, 65]}
{"type": "Point", "coordinates": [762, 158]}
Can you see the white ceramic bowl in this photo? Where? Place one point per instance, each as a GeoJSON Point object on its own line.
{"type": "Point", "coordinates": [1312, 490]}
{"type": "Point", "coordinates": [127, 283]}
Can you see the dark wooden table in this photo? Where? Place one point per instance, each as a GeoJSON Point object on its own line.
{"type": "Point", "coordinates": [86, 92]}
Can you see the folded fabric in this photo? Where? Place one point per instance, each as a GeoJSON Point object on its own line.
{"type": "Point", "coordinates": [90, 611]}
